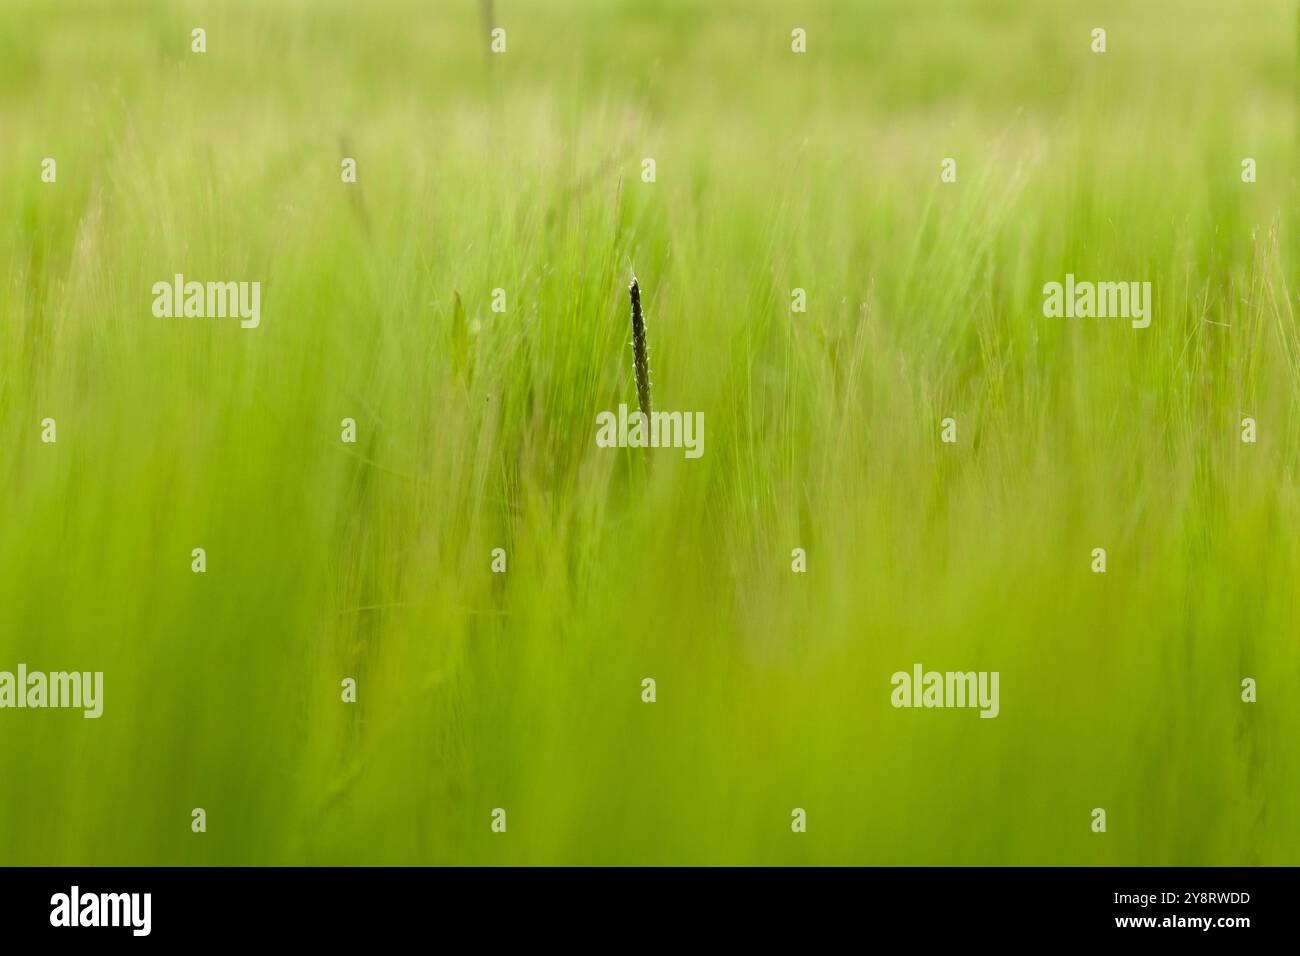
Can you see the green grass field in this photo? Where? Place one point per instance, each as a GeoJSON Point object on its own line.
{"type": "Point", "coordinates": [476, 430]}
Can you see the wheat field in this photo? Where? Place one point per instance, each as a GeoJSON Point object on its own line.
{"type": "Point", "coordinates": [465, 303]}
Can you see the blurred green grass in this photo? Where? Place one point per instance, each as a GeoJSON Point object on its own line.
{"type": "Point", "coordinates": [522, 691]}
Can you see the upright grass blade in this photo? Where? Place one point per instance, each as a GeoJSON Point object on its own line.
{"type": "Point", "coordinates": [640, 353]}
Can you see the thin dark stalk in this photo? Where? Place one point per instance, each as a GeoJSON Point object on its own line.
{"type": "Point", "coordinates": [640, 353]}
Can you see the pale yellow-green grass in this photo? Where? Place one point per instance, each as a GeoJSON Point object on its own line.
{"type": "Point", "coordinates": [521, 171]}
